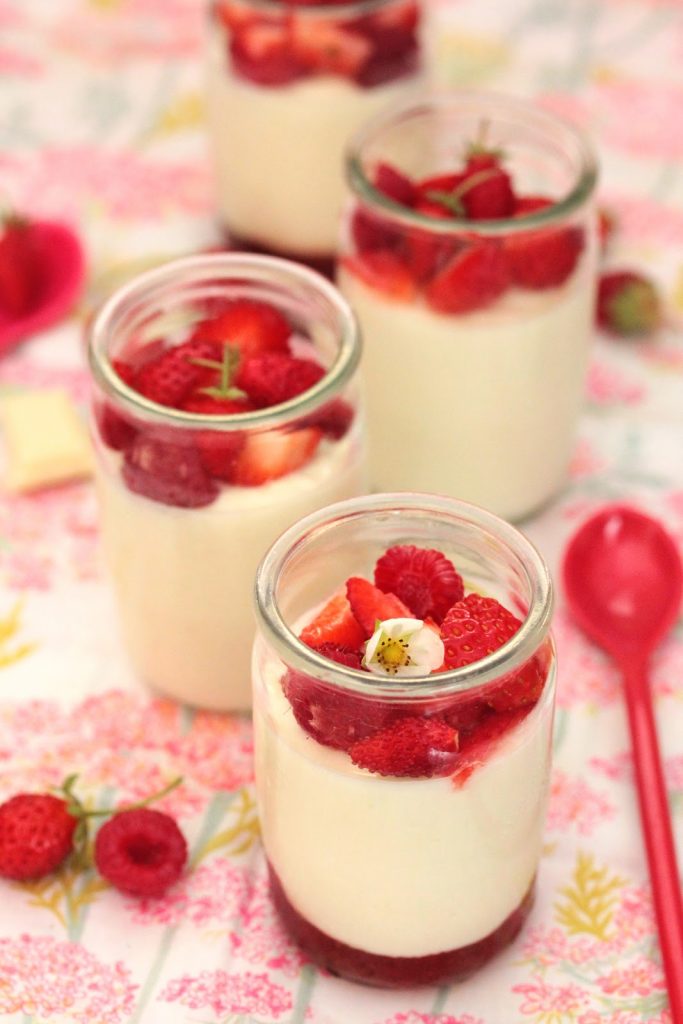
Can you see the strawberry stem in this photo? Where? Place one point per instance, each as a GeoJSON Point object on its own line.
{"type": "Point", "coordinates": [453, 200]}
{"type": "Point", "coordinates": [226, 369]}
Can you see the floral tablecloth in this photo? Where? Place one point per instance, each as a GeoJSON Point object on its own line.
{"type": "Point", "coordinates": [101, 124]}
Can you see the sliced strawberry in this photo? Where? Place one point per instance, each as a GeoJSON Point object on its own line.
{"type": "Point", "coordinates": [474, 628]}
{"type": "Point", "coordinates": [218, 450]}
{"type": "Point", "coordinates": [262, 53]}
{"type": "Point", "coordinates": [412, 747]}
{"type": "Point", "coordinates": [19, 268]}
{"type": "Point", "coordinates": [439, 183]}
{"type": "Point", "coordinates": [542, 257]}
{"type": "Point", "coordinates": [326, 47]}
{"type": "Point", "coordinates": [116, 430]}
{"type": "Point", "coordinates": [169, 379]}
{"type": "Point", "coordinates": [273, 454]}
{"type": "Point", "coordinates": [394, 44]}
{"type": "Point", "coordinates": [426, 251]}
{"type": "Point", "coordinates": [334, 624]}
{"type": "Point", "coordinates": [335, 418]}
{"type": "Point", "coordinates": [521, 688]}
{"type": "Point", "coordinates": [423, 578]}
{"type": "Point", "coordinates": [168, 472]}
{"type": "Point", "coordinates": [473, 279]}
{"type": "Point", "coordinates": [383, 271]}
{"type": "Point", "coordinates": [274, 377]}
{"type": "Point", "coordinates": [488, 194]}
{"type": "Point", "coordinates": [248, 325]}
{"type": "Point", "coordinates": [372, 231]}
{"type": "Point", "coordinates": [394, 184]}
{"type": "Point", "coordinates": [369, 603]}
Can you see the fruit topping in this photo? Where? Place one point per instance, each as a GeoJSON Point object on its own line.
{"type": "Point", "coordinates": [36, 835]}
{"type": "Point", "coordinates": [275, 377]}
{"type": "Point", "coordinates": [334, 419]}
{"type": "Point", "coordinates": [169, 379]}
{"type": "Point", "coordinates": [141, 852]}
{"type": "Point", "coordinates": [384, 271]}
{"type": "Point", "coordinates": [250, 326]}
{"type": "Point", "coordinates": [423, 578]}
{"type": "Point", "coordinates": [274, 453]}
{"type": "Point", "coordinates": [168, 472]}
{"type": "Point", "coordinates": [335, 625]}
{"type": "Point", "coordinates": [628, 304]}
{"type": "Point", "coordinates": [542, 257]}
{"type": "Point", "coordinates": [482, 741]}
{"type": "Point", "coordinates": [474, 278]}
{"type": "Point", "coordinates": [370, 605]}
{"type": "Point", "coordinates": [474, 628]}
{"type": "Point", "coordinates": [411, 747]}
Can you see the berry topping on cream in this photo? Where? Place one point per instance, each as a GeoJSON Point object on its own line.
{"type": "Point", "coordinates": [403, 647]}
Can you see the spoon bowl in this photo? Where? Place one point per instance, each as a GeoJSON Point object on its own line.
{"type": "Point", "coordinates": [623, 581]}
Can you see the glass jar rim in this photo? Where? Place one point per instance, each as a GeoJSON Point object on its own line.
{"type": "Point", "coordinates": [346, 12]}
{"type": "Point", "coordinates": [306, 660]}
{"type": "Point", "coordinates": [230, 266]}
{"type": "Point", "coordinates": [490, 103]}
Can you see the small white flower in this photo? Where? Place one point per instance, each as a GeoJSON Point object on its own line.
{"type": "Point", "coordinates": [403, 647]}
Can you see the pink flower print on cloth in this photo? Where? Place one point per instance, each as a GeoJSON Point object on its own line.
{"type": "Point", "coordinates": [551, 1002]}
{"type": "Point", "coordinates": [575, 806]}
{"type": "Point", "coordinates": [224, 993]}
{"type": "Point", "coordinates": [214, 893]}
{"type": "Point", "coordinates": [44, 978]}
{"type": "Point", "coordinates": [430, 1018]}
{"type": "Point", "coordinates": [260, 938]}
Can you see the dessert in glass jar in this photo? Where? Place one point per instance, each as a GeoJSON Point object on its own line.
{"type": "Point", "coordinates": [469, 256]}
{"type": "Point", "coordinates": [288, 84]}
{"type": "Point", "coordinates": [224, 408]}
{"type": "Point", "coordinates": [403, 700]}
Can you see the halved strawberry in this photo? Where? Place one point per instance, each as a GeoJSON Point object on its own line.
{"type": "Point", "coordinates": [248, 325]}
{"type": "Point", "coordinates": [170, 377]}
{"type": "Point", "coordinates": [334, 624]}
{"type": "Point", "coordinates": [475, 627]}
{"type": "Point", "coordinates": [474, 278]}
{"type": "Point", "coordinates": [273, 454]}
{"type": "Point", "coordinates": [19, 270]}
{"type": "Point", "coordinates": [487, 188]}
{"type": "Point", "coordinates": [427, 252]}
{"type": "Point", "coordinates": [542, 257]}
{"type": "Point", "coordinates": [327, 47]}
{"type": "Point", "coordinates": [369, 603]}
{"type": "Point", "coordinates": [334, 419]}
{"type": "Point", "coordinates": [394, 184]}
{"type": "Point", "coordinates": [372, 231]}
{"type": "Point", "coordinates": [411, 747]}
{"type": "Point", "coordinates": [274, 377]}
{"type": "Point", "coordinates": [383, 271]}
{"type": "Point", "coordinates": [218, 450]}
{"type": "Point", "coordinates": [168, 472]}
{"type": "Point", "coordinates": [262, 53]}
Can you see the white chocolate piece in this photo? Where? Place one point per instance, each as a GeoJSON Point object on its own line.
{"type": "Point", "coordinates": [46, 441]}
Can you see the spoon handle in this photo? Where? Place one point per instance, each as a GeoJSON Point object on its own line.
{"type": "Point", "coordinates": [656, 826]}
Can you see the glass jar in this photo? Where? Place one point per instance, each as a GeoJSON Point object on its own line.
{"type": "Point", "coordinates": [287, 86]}
{"type": "Point", "coordinates": [183, 531]}
{"type": "Point", "coordinates": [422, 876]}
{"type": "Point", "coordinates": [476, 325]}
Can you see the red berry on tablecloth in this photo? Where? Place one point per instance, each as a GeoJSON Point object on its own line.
{"type": "Point", "coordinates": [36, 835]}
{"type": "Point", "coordinates": [141, 851]}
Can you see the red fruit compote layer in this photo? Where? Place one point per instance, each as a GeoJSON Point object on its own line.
{"type": "Point", "coordinates": [187, 510]}
{"type": "Point", "coordinates": [403, 837]}
{"type": "Point", "coordinates": [487, 333]}
{"type": "Point", "coordinates": [287, 86]}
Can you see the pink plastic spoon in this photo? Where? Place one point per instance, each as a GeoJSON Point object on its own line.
{"type": "Point", "coordinates": [623, 580]}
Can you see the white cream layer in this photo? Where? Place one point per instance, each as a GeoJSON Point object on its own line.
{"type": "Point", "coordinates": [278, 152]}
{"type": "Point", "coordinates": [397, 867]}
{"type": "Point", "coordinates": [184, 577]}
{"type": "Point", "coordinates": [481, 406]}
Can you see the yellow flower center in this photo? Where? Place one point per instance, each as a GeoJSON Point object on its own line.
{"type": "Point", "coordinates": [392, 654]}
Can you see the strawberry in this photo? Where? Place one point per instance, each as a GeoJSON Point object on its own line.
{"type": "Point", "coordinates": [329, 48]}
{"type": "Point", "coordinates": [218, 450]}
{"type": "Point", "coordinates": [438, 183]}
{"type": "Point", "coordinates": [426, 251]}
{"type": "Point", "coordinates": [371, 230]}
{"type": "Point", "coordinates": [19, 270]}
{"type": "Point", "coordinates": [481, 742]}
{"type": "Point", "coordinates": [474, 628]}
{"type": "Point", "coordinates": [334, 419]}
{"type": "Point", "coordinates": [334, 718]}
{"type": "Point", "coordinates": [169, 379]}
{"type": "Point", "coordinates": [474, 278]}
{"type": "Point", "coordinates": [628, 303]}
{"type": "Point", "coordinates": [116, 430]}
{"type": "Point", "coordinates": [383, 271]}
{"type": "Point", "coordinates": [275, 377]}
{"type": "Point", "coordinates": [423, 578]}
{"type": "Point", "coordinates": [542, 257]}
{"type": "Point", "coordinates": [169, 472]}
{"type": "Point", "coordinates": [334, 624]}
{"type": "Point", "coordinates": [394, 184]}
{"type": "Point", "coordinates": [248, 325]}
{"type": "Point", "coordinates": [486, 189]}
{"type": "Point", "coordinates": [261, 52]}
{"type": "Point", "coordinates": [521, 688]}
{"type": "Point", "coordinates": [369, 603]}
{"type": "Point", "coordinates": [36, 835]}
{"type": "Point", "coordinates": [141, 851]}
{"type": "Point", "coordinates": [273, 454]}
{"type": "Point", "coordinates": [411, 747]}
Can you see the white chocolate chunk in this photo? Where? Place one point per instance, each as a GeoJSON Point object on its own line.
{"type": "Point", "coordinates": [46, 441]}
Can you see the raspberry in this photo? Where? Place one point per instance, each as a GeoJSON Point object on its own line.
{"type": "Point", "coordinates": [141, 852]}
{"type": "Point", "coordinates": [36, 835]}
{"type": "Point", "coordinates": [422, 578]}
{"type": "Point", "coordinates": [412, 747]}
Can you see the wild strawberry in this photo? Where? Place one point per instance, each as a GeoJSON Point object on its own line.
{"type": "Point", "coordinates": [275, 377]}
{"type": "Point", "coordinates": [19, 269]}
{"type": "Point", "coordinates": [170, 472]}
{"type": "Point", "coordinates": [423, 578]}
{"type": "Point", "coordinates": [36, 835]}
{"type": "Point", "coordinates": [369, 603]}
{"type": "Point", "coordinates": [474, 278]}
{"type": "Point", "coordinates": [218, 450]}
{"type": "Point", "coordinates": [274, 453]}
{"type": "Point", "coordinates": [411, 747]}
{"type": "Point", "coordinates": [383, 271]}
{"type": "Point", "coordinates": [141, 852]}
{"type": "Point", "coordinates": [474, 628]}
{"type": "Point", "coordinates": [335, 624]}
{"type": "Point", "coordinates": [542, 257]}
{"type": "Point", "coordinates": [248, 325]}
{"type": "Point", "coordinates": [169, 379]}
{"type": "Point", "coordinates": [628, 303]}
